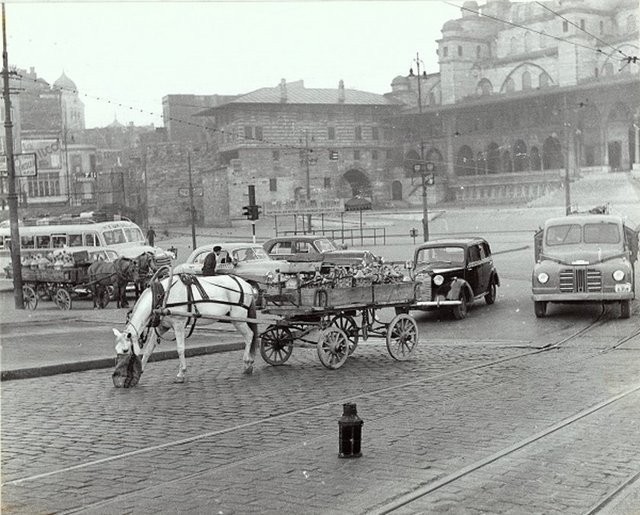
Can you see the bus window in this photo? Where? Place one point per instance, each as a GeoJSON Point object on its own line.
{"type": "Point", "coordinates": [113, 237]}
{"type": "Point", "coordinates": [59, 240]}
{"type": "Point", "coordinates": [133, 234]}
{"type": "Point", "coordinates": [75, 240]}
{"type": "Point", "coordinates": [27, 242]}
{"type": "Point", "coordinates": [91, 239]}
{"type": "Point", "coordinates": [43, 242]}
{"type": "Point", "coordinates": [6, 242]}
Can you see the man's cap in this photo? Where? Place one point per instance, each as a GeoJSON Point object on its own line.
{"type": "Point", "coordinates": [217, 248]}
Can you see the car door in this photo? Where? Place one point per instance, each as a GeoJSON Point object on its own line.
{"type": "Point", "coordinates": [474, 268]}
{"type": "Point", "coordinates": [486, 267]}
{"type": "Point", "coordinates": [195, 266]}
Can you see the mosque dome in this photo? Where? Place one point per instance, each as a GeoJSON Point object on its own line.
{"type": "Point", "coordinates": [65, 83]}
{"type": "Point", "coordinates": [452, 26]}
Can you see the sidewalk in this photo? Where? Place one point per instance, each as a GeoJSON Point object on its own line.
{"type": "Point", "coordinates": [48, 341]}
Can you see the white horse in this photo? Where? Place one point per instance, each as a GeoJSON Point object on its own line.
{"type": "Point", "coordinates": [227, 295]}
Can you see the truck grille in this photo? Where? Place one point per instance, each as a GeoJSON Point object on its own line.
{"type": "Point", "coordinates": [580, 280]}
{"type": "Point", "coordinates": [162, 260]}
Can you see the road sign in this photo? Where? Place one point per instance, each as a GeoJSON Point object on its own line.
{"type": "Point", "coordinates": [184, 192]}
{"type": "Point", "coordinates": [26, 165]}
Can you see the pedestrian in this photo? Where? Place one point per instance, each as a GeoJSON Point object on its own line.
{"type": "Point", "coordinates": [210, 262]}
{"type": "Point", "coordinates": [151, 236]}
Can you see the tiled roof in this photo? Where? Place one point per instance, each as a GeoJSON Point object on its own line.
{"type": "Point", "coordinates": [296, 93]}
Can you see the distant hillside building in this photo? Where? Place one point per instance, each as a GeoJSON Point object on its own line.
{"type": "Point", "coordinates": [178, 115]}
{"type": "Point", "coordinates": [517, 101]}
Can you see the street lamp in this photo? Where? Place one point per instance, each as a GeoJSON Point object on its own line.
{"type": "Point", "coordinates": [422, 166]}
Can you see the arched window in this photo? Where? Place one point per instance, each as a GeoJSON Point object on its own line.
{"type": "Point", "coordinates": [509, 85]}
{"type": "Point", "coordinates": [507, 163]}
{"type": "Point", "coordinates": [631, 23]}
{"type": "Point", "coordinates": [484, 87]}
{"type": "Point", "coordinates": [513, 45]}
{"type": "Point", "coordinates": [552, 154]}
{"type": "Point", "coordinates": [536, 163]}
{"type": "Point", "coordinates": [526, 80]}
{"type": "Point", "coordinates": [520, 157]}
{"type": "Point", "coordinates": [493, 158]}
{"type": "Point", "coordinates": [465, 165]}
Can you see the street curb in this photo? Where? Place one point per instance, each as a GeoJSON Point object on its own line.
{"type": "Point", "coordinates": [82, 366]}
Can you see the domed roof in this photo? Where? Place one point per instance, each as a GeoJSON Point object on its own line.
{"type": "Point", "coordinates": [451, 25]}
{"type": "Point", "coordinates": [65, 83]}
{"type": "Point", "coordinates": [399, 80]}
{"type": "Point", "coordinates": [470, 4]}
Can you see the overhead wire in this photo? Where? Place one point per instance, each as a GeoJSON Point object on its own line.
{"type": "Point", "coordinates": [542, 33]}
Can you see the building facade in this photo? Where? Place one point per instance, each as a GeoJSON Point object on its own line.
{"type": "Point", "coordinates": [525, 93]}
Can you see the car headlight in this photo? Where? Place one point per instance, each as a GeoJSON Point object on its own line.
{"type": "Point", "coordinates": [543, 277]}
{"type": "Point", "coordinates": [618, 275]}
{"type": "Point", "coordinates": [438, 280]}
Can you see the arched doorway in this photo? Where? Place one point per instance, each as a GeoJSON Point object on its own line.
{"type": "Point", "coordinates": [552, 154]}
{"type": "Point", "coordinates": [396, 190]}
{"type": "Point", "coordinates": [299, 193]}
{"type": "Point", "coordinates": [359, 182]}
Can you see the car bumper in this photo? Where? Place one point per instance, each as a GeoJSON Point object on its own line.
{"type": "Point", "coordinates": [583, 297]}
{"type": "Point", "coordinates": [436, 303]}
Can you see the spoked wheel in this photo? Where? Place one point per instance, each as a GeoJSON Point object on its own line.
{"type": "Point", "coordinates": [402, 337]}
{"type": "Point", "coordinates": [62, 299]}
{"type": "Point", "coordinates": [29, 297]}
{"type": "Point", "coordinates": [276, 345]}
{"type": "Point", "coordinates": [333, 347]}
{"type": "Point", "coordinates": [350, 328]}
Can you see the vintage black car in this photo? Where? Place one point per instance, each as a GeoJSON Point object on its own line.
{"type": "Point", "coordinates": [453, 273]}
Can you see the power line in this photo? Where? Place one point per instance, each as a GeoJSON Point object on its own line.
{"type": "Point", "coordinates": [542, 33]}
{"type": "Point", "coordinates": [582, 29]}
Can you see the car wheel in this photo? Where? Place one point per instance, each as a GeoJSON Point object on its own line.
{"type": "Point", "coordinates": [460, 311]}
{"type": "Point", "coordinates": [540, 308]}
{"type": "Point", "coordinates": [491, 294]}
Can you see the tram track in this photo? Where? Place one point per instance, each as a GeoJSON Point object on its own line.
{"type": "Point", "coordinates": [599, 321]}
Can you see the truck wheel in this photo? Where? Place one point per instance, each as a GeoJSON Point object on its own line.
{"type": "Point", "coordinates": [625, 308]}
{"type": "Point", "coordinates": [540, 308]}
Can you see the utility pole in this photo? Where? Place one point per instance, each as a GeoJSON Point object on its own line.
{"type": "Point", "coordinates": [306, 160]}
{"type": "Point", "coordinates": [192, 209]}
{"type": "Point", "coordinates": [12, 197]}
{"type": "Point", "coordinates": [425, 210]}
{"type": "Point", "coordinates": [567, 179]}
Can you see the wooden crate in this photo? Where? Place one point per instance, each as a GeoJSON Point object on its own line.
{"type": "Point", "coordinates": [393, 293]}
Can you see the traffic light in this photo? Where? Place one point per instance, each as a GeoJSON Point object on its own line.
{"type": "Point", "coordinates": [247, 211]}
{"type": "Point", "coordinates": [257, 210]}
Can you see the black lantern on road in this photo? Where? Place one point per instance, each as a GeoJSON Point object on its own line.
{"type": "Point", "coordinates": [349, 432]}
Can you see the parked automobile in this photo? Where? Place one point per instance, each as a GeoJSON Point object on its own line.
{"type": "Point", "coordinates": [305, 248]}
{"type": "Point", "coordinates": [453, 273]}
{"type": "Point", "coordinates": [586, 257]}
{"type": "Point", "coordinates": [246, 260]}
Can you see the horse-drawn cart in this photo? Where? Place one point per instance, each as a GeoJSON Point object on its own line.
{"type": "Point", "coordinates": [60, 285]}
{"type": "Point", "coordinates": [339, 316]}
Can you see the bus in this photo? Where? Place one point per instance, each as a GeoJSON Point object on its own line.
{"type": "Point", "coordinates": [43, 236]}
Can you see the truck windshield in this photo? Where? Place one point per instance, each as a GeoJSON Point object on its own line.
{"type": "Point", "coordinates": [572, 234]}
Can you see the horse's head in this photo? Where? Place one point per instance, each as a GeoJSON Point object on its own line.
{"type": "Point", "coordinates": [146, 263]}
{"type": "Point", "coordinates": [128, 367]}
{"type": "Point", "coordinates": [127, 269]}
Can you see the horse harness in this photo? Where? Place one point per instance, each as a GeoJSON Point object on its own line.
{"type": "Point", "coordinates": [159, 296]}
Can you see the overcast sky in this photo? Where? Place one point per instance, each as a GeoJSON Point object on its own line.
{"type": "Point", "coordinates": [135, 53]}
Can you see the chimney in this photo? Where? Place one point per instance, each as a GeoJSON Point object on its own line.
{"type": "Point", "coordinates": [341, 91]}
{"type": "Point", "coordinates": [283, 91]}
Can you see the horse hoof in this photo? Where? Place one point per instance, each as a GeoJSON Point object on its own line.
{"type": "Point", "coordinates": [248, 370]}
{"type": "Point", "coordinates": [179, 380]}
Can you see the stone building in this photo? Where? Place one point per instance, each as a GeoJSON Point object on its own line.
{"type": "Point", "coordinates": [178, 115]}
{"type": "Point", "coordinates": [294, 142]}
{"type": "Point", "coordinates": [524, 92]}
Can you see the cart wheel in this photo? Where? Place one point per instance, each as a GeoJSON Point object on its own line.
{"type": "Point", "coordinates": [30, 298]}
{"type": "Point", "coordinates": [333, 347]}
{"type": "Point", "coordinates": [350, 328]}
{"type": "Point", "coordinates": [62, 299]}
{"type": "Point", "coordinates": [402, 337]}
{"type": "Point", "coordinates": [276, 345]}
